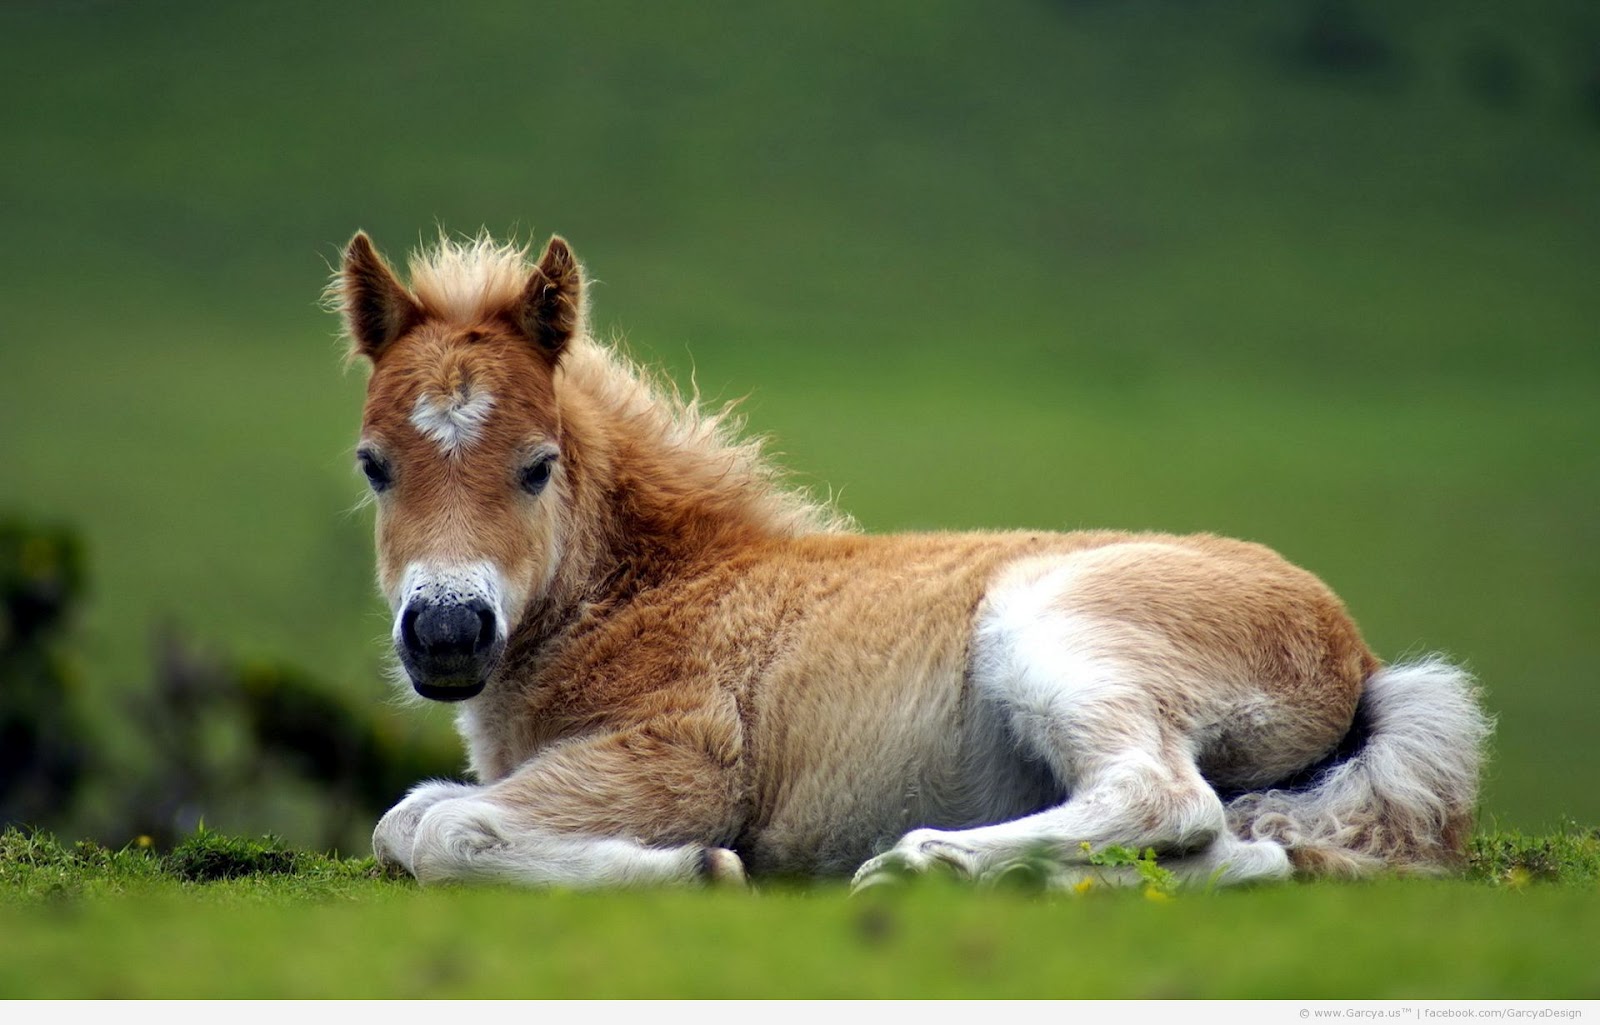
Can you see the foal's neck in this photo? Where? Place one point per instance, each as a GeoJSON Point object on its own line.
{"type": "Point", "coordinates": [645, 513]}
{"type": "Point", "coordinates": [666, 517]}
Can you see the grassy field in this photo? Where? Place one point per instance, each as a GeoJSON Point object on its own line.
{"type": "Point", "coordinates": [1142, 265]}
{"type": "Point", "coordinates": [92, 923]}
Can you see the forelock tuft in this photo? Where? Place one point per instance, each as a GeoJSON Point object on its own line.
{"type": "Point", "coordinates": [465, 280]}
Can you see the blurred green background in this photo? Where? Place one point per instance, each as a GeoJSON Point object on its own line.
{"type": "Point", "coordinates": [1322, 275]}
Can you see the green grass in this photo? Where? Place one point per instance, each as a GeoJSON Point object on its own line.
{"type": "Point", "coordinates": [1034, 264]}
{"type": "Point", "coordinates": [86, 922]}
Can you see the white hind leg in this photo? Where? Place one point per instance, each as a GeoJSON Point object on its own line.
{"type": "Point", "coordinates": [1136, 800]}
{"type": "Point", "coordinates": [1228, 861]}
{"type": "Point", "coordinates": [1095, 701]}
{"type": "Point", "coordinates": [1231, 860]}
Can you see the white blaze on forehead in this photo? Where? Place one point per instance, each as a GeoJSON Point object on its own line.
{"type": "Point", "coordinates": [453, 421]}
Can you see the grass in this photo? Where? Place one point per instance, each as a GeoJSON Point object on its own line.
{"type": "Point", "coordinates": [86, 922]}
{"type": "Point", "coordinates": [35, 868]}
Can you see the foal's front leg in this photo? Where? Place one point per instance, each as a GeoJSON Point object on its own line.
{"type": "Point", "coordinates": [396, 833]}
{"type": "Point", "coordinates": [625, 809]}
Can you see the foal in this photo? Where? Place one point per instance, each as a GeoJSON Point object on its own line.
{"type": "Point", "coordinates": [668, 667]}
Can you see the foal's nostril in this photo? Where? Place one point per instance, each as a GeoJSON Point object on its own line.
{"type": "Point", "coordinates": [486, 631]}
{"type": "Point", "coordinates": [408, 628]}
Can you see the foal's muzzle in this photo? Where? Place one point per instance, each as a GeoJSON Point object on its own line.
{"type": "Point", "coordinates": [449, 648]}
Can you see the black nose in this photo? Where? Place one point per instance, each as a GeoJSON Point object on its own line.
{"type": "Point", "coordinates": [446, 632]}
{"type": "Point", "coordinates": [448, 648]}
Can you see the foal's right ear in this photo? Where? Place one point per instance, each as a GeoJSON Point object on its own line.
{"type": "Point", "coordinates": [550, 310]}
{"type": "Point", "coordinates": [377, 309]}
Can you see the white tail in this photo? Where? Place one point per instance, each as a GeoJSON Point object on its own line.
{"type": "Point", "coordinates": [1404, 800]}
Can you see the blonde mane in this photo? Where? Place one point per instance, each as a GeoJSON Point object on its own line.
{"type": "Point", "coordinates": [707, 444]}
{"type": "Point", "coordinates": [463, 281]}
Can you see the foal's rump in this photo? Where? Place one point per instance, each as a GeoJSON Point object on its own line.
{"type": "Point", "coordinates": [1216, 648]}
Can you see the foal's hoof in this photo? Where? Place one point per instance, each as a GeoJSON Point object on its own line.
{"type": "Point", "coordinates": [392, 861]}
{"type": "Point", "coordinates": [880, 874]}
{"type": "Point", "coordinates": [890, 869]}
{"type": "Point", "coordinates": [722, 868]}
{"type": "Point", "coordinates": [918, 853]}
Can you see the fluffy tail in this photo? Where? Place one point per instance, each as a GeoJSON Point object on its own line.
{"type": "Point", "coordinates": [1403, 799]}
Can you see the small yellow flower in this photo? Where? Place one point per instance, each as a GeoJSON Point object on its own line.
{"type": "Point", "coordinates": [1518, 877]}
{"type": "Point", "coordinates": [1160, 897]}
{"type": "Point", "coordinates": [144, 842]}
{"type": "Point", "coordinates": [1083, 886]}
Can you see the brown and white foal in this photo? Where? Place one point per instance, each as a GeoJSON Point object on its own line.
{"type": "Point", "coordinates": [669, 667]}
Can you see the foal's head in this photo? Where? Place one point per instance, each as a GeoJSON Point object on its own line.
{"type": "Point", "coordinates": [461, 442]}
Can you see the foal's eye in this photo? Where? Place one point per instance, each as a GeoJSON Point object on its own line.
{"type": "Point", "coordinates": [375, 469]}
{"type": "Point", "coordinates": [536, 474]}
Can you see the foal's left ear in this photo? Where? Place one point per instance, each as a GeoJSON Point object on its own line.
{"type": "Point", "coordinates": [550, 309]}
{"type": "Point", "coordinates": [377, 308]}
